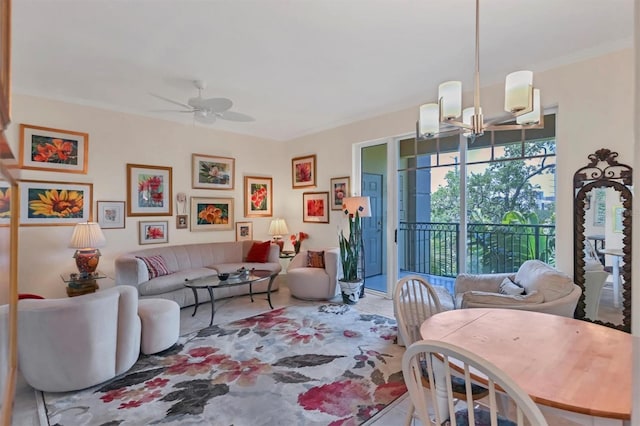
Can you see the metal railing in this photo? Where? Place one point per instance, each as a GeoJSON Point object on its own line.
{"type": "Point", "coordinates": [432, 248]}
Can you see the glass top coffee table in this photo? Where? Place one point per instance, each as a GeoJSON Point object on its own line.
{"type": "Point", "coordinates": [211, 282]}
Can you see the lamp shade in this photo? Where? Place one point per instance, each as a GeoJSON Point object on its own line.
{"type": "Point", "coordinates": [532, 117]}
{"type": "Point", "coordinates": [87, 235]}
{"type": "Point", "coordinates": [518, 94]}
{"type": "Point", "coordinates": [278, 228]}
{"type": "Point", "coordinates": [429, 119]}
{"type": "Point", "coordinates": [450, 96]}
{"type": "Point", "coordinates": [361, 205]}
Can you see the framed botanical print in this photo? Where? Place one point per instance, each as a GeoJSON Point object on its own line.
{"type": "Point", "coordinates": [55, 150]}
{"type": "Point", "coordinates": [111, 214]}
{"type": "Point", "coordinates": [5, 203]}
{"type": "Point", "coordinates": [315, 207]}
{"type": "Point", "coordinates": [258, 196]}
{"type": "Point", "coordinates": [149, 190]}
{"type": "Point", "coordinates": [303, 171]}
{"type": "Point", "coordinates": [210, 172]}
{"type": "Point", "coordinates": [211, 214]}
{"type": "Point", "coordinates": [153, 232]}
{"type": "Point", "coordinates": [339, 190]}
{"type": "Point", "coordinates": [54, 203]}
{"type": "Point", "coordinates": [244, 231]}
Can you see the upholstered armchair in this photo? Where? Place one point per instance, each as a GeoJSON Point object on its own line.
{"type": "Point", "coordinates": [535, 287]}
{"type": "Point", "coordinates": [74, 343]}
{"type": "Point", "coordinates": [314, 283]}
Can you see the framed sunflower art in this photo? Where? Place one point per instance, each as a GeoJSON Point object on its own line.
{"type": "Point", "coordinates": [211, 214]}
{"type": "Point", "coordinates": [54, 203]}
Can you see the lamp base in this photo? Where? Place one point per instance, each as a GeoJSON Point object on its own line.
{"type": "Point", "coordinates": [87, 261]}
{"type": "Point", "coordinates": [280, 244]}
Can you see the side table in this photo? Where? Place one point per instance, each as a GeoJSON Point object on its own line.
{"type": "Point", "coordinates": [78, 284]}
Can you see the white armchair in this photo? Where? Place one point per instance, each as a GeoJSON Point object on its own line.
{"type": "Point", "coordinates": [546, 290]}
{"type": "Point", "coordinates": [74, 343]}
{"type": "Point", "coordinates": [309, 283]}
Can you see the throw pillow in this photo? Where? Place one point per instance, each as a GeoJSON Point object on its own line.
{"type": "Point", "coordinates": [156, 265]}
{"type": "Point", "coordinates": [259, 252]}
{"type": "Point", "coordinates": [315, 259]}
{"type": "Point", "coordinates": [508, 286]}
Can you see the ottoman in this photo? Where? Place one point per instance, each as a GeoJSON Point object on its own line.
{"type": "Point", "coordinates": [160, 320]}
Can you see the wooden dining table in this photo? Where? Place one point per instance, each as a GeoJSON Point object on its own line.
{"type": "Point", "coordinates": [579, 370]}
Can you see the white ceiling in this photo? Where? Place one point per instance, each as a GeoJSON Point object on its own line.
{"type": "Point", "coordinates": [297, 66]}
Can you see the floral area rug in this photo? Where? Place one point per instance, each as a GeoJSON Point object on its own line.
{"type": "Point", "coordinates": [299, 365]}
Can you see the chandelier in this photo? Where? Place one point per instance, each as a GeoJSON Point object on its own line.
{"type": "Point", "coordinates": [443, 118]}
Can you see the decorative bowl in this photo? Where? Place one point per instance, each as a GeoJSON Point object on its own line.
{"type": "Point", "coordinates": [223, 277]}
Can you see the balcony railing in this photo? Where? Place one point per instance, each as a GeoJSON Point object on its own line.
{"type": "Point", "coordinates": [432, 248]}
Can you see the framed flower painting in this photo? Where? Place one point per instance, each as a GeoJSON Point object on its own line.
{"type": "Point", "coordinates": [54, 203]}
{"type": "Point", "coordinates": [339, 190]}
{"type": "Point", "coordinates": [153, 232]}
{"type": "Point", "coordinates": [211, 214]}
{"type": "Point", "coordinates": [303, 170]}
{"type": "Point", "coordinates": [111, 214]}
{"type": "Point", "coordinates": [315, 207]}
{"type": "Point", "coordinates": [209, 172]}
{"type": "Point", "coordinates": [56, 150]}
{"type": "Point", "coordinates": [149, 190]}
{"type": "Point", "coordinates": [258, 196]}
{"type": "Point", "coordinates": [244, 231]}
{"type": "Point", "coordinates": [5, 203]}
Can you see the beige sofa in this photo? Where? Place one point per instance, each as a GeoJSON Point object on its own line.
{"type": "Point", "coordinates": [191, 261]}
{"type": "Point", "coordinates": [547, 290]}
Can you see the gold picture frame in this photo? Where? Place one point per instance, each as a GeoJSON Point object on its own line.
{"type": "Point", "coordinates": [53, 150]}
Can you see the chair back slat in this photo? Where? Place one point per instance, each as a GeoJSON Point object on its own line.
{"type": "Point", "coordinates": [414, 301]}
{"type": "Point", "coordinates": [438, 357]}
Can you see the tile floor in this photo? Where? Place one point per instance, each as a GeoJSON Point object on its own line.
{"type": "Point", "coordinates": [25, 412]}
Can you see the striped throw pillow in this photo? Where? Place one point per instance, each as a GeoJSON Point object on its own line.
{"type": "Point", "coordinates": [156, 265]}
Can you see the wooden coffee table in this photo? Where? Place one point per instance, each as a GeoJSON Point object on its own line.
{"type": "Point", "coordinates": [211, 282]}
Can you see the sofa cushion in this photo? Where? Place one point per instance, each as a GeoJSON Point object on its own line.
{"type": "Point", "coordinates": [535, 275]}
{"type": "Point", "coordinates": [315, 259]}
{"type": "Point", "coordinates": [174, 281]}
{"type": "Point", "coordinates": [509, 287]}
{"type": "Point", "coordinates": [259, 252]}
{"type": "Point", "coordinates": [476, 298]}
{"type": "Point", "coordinates": [156, 265]}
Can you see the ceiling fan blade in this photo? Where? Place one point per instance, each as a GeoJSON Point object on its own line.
{"type": "Point", "coordinates": [213, 104]}
{"type": "Point", "coordinates": [235, 116]}
{"type": "Point", "coordinates": [171, 110]}
{"type": "Point", "coordinates": [172, 101]}
{"type": "Point", "coordinates": [204, 117]}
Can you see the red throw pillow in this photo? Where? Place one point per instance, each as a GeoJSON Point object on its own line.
{"type": "Point", "coordinates": [259, 252]}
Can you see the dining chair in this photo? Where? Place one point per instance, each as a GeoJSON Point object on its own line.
{"type": "Point", "coordinates": [439, 359]}
{"type": "Point", "coordinates": [414, 301]}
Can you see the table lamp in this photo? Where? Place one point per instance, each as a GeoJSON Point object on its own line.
{"type": "Point", "coordinates": [86, 238]}
{"type": "Point", "coordinates": [278, 228]}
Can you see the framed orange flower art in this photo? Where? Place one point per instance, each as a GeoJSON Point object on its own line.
{"type": "Point", "coordinates": [211, 214]}
{"type": "Point", "coordinates": [315, 207]}
{"type": "Point", "coordinates": [54, 203]}
{"type": "Point", "coordinates": [258, 196]}
{"type": "Point", "coordinates": [55, 150]}
{"type": "Point", "coordinates": [303, 171]}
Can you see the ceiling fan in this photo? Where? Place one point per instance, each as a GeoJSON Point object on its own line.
{"type": "Point", "coordinates": [204, 110]}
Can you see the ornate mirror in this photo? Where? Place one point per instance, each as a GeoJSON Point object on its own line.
{"type": "Point", "coordinates": [602, 240]}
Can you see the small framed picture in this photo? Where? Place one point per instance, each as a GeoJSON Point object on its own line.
{"type": "Point", "coordinates": [244, 231]}
{"type": "Point", "coordinates": [54, 203]}
{"type": "Point", "coordinates": [303, 171]}
{"type": "Point", "coordinates": [211, 214]}
{"type": "Point", "coordinates": [315, 207]}
{"type": "Point", "coordinates": [54, 150]}
{"type": "Point", "coordinates": [5, 203]}
{"type": "Point", "coordinates": [210, 172]}
{"type": "Point", "coordinates": [149, 190]}
{"type": "Point", "coordinates": [182, 221]}
{"type": "Point", "coordinates": [111, 214]}
{"type": "Point", "coordinates": [258, 196]}
{"type": "Point", "coordinates": [153, 232]}
{"type": "Point", "coordinates": [339, 190]}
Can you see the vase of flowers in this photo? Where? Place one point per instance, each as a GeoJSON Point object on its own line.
{"type": "Point", "coordinates": [296, 240]}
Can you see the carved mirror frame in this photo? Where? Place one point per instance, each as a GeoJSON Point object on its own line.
{"type": "Point", "coordinates": [603, 171]}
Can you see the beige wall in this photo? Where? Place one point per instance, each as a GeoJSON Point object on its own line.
{"type": "Point", "coordinates": [594, 101]}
